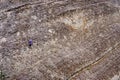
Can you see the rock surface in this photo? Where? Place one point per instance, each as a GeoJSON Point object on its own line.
{"type": "Point", "coordinates": [72, 39]}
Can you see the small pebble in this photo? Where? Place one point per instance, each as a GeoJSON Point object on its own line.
{"type": "Point", "coordinates": [34, 17]}
{"type": "Point", "coordinates": [3, 40]}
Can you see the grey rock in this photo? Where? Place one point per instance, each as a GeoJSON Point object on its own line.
{"type": "Point", "coordinates": [72, 39]}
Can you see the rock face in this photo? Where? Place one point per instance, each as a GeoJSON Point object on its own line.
{"type": "Point", "coordinates": [72, 39]}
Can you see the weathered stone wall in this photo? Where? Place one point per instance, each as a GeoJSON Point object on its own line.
{"type": "Point", "coordinates": [72, 39]}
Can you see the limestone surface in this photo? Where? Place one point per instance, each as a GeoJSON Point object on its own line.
{"type": "Point", "coordinates": [72, 39]}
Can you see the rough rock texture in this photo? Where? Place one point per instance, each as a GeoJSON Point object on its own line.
{"type": "Point", "coordinates": [72, 39]}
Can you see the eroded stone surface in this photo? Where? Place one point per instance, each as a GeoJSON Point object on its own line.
{"type": "Point", "coordinates": [72, 39]}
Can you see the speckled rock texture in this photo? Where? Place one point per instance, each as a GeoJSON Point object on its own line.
{"type": "Point", "coordinates": [72, 39]}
